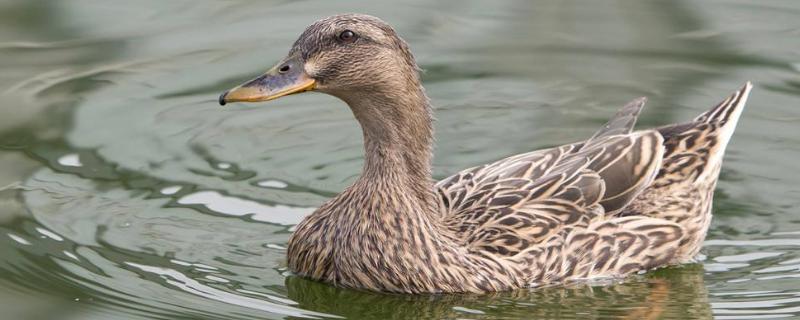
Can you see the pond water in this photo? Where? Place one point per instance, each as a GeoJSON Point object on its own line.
{"type": "Point", "coordinates": [126, 192]}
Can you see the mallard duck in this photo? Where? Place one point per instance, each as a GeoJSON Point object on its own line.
{"type": "Point", "coordinates": [617, 203]}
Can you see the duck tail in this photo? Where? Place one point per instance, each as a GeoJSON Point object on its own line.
{"type": "Point", "coordinates": [726, 113]}
{"type": "Point", "coordinates": [720, 123]}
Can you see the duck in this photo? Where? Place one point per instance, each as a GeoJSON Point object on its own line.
{"type": "Point", "coordinates": [621, 202]}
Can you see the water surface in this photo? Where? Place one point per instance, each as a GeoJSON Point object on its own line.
{"type": "Point", "coordinates": [126, 192]}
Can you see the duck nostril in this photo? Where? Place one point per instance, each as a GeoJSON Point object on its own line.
{"type": "Point", "coordinates": [284, 68]}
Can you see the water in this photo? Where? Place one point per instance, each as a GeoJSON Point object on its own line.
{"type": "Point", "coordinates": [127, 193]}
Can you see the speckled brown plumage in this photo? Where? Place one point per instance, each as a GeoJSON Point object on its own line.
{"type": "Point", "coordinates": [618, 203]}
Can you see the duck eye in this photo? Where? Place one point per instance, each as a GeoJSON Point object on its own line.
{"type": "Point", "coordinates": [347, 36]}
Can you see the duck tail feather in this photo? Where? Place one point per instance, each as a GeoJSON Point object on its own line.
{"type": "Point", "coordinates": [728, 111]}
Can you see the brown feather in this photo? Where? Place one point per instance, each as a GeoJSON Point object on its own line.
{"type": "Point", "coordinates": [620, 202]}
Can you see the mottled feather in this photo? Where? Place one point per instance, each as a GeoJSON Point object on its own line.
{"type": "Point", "coordinates": [620, 202]}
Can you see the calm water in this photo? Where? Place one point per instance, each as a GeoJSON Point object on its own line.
{"type": "Point", "coordinates": [126, 192]}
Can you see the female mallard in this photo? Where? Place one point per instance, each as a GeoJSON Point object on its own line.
{"type": "Point", "coordinates": [617, 203]}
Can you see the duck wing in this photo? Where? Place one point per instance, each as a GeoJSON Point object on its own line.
{"type": "Point", "coordinates": [622, 122]}
{"type": "Point", "coordinates": [467, 187]}
{"type": "Point", "coordinates": [506, 206]}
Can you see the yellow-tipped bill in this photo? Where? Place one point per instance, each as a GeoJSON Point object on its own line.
{"type": "Point", "coordinates": [285, 79]}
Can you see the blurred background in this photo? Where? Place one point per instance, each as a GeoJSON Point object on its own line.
{"type": "Point", "coordinates": [126, 192]}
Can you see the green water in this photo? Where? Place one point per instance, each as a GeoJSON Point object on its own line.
{"type": "Point", "coordinates": [126, 192]}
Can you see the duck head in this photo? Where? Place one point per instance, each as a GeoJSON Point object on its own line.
{"type": "Point", "coordinates": [362, 61]}
{"type": "Point", "coordinates": [345, 56]}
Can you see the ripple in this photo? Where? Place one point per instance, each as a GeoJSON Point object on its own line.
{"type": "Point", "coordinates": [230, 205]}
{"type": "Point", "coordinates": [781, 268]}
{"type": "Point", "coordinates": [170, 190]}
{"type": "Point", "coordinates": [468, 310]}
{"type": "Point", "coordinates": [746, 257]}
{"type": "Point", "coordinates": [49, 234]}
{"type": "Point", "coordinates": [192, 286]}
{"type": "Point", "coordinates": [70, 160]}
{"type": "Point", "coordinates": [276, 184]}
{"type": "Point", "coordinates": [19, 239]}
{"type": "Point", "coordinates": [724, 267]}
{"type": "Point", "coordinates": [754, 243]}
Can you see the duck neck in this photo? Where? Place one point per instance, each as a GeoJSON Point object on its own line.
{"type": "Point", "coordinates": [398, 138]}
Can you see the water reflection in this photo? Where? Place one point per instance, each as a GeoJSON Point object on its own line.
{"type": "Point", "coordinates": [673, 294]}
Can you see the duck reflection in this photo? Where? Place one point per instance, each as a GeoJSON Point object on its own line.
{"type": "Point", "coordinates": [672, 293]}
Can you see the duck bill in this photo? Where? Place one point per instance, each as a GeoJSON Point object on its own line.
{"type": "Point", "coordinates": [274, 84]}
